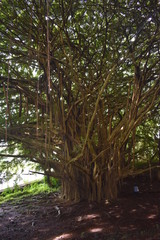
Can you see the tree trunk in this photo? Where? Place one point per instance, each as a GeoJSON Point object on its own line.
{"type": "Point", "coordinates": [81, 187]}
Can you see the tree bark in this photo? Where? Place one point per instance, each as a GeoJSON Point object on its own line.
{"type": "Point", "coordinates": [80, 187]}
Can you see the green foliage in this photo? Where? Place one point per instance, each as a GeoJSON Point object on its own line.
{"type": "Point", "coordinates": [53, 182]}
{"type": "Point", "coordinates": [28, 190]}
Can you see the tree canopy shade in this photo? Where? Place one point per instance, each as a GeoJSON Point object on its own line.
{"type": "Point", "coordinates": [80, 88]}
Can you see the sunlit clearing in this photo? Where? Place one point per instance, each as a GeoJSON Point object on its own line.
{"type": "Point", "coordinates": [63, 236]}
{"type": "Point", "coordinates": [87, 217]}
{"type": "Point", "coordinates": [152, 216]}
{"type": "Point", "coordinates": [95, 230]}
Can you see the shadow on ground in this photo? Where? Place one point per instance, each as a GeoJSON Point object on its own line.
{"type": "Point", "coordinates": [46, 217]}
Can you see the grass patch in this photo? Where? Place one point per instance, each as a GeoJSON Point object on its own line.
{"type": "Point", "coordinates": [32, 189]}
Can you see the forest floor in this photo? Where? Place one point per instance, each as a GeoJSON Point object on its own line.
{"type": "Point", "coordinates": [47, 217]}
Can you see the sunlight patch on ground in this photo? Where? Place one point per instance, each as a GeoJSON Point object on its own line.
{"type": "Point", "coordinates": [142, 206]}
{"type": "Point", "coordinates": [134, 210]}
{"type": "Point", "coordinates": [63, 236]}
{"type": "Point", "coordinates": [152, 216]}
{"type": "Point", "coordinates": [131, 227]}
{"type": "Point", "coordinates": [95, 230]}
{"type": "Point", "coordinates": [107, 202]}
{"type": "Point", "coordinates": [87, 217]}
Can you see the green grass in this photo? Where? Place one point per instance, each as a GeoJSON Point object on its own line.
{"type": "Point", "coordinates": [35, 188]}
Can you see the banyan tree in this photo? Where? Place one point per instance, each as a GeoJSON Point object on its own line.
{"type": "Point", "coordinates": [79, 79]}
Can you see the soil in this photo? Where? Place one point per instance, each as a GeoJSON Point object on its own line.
{"type": "Point", "coordinates": [134, 216]}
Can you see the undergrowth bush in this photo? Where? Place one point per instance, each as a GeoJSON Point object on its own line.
{"type": "Point", "coordinates": [34, 188]}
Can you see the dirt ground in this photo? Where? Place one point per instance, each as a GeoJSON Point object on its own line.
{"type": "Point", "coordinates": [47, 217]}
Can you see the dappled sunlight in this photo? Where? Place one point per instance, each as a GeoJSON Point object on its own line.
{"type": "Point", "coordinates": [133, 210]}
{"type": "Point", "coordinates": [127, 217]}
{"type": "Point", "coordinates": [142, 206]}
{"type": "Point", "coordinates": [87, 217]}
{"type": "Point", "coordinates": [131, 227]}
{"type": "Point", "coordinates": [63, 236]}
{"type": "Point", "coordinates": [152, 216]}
{"type": "Point", "coordinates": [107, 202]}
{"type": "Point", "coordinates": [95, 230]}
